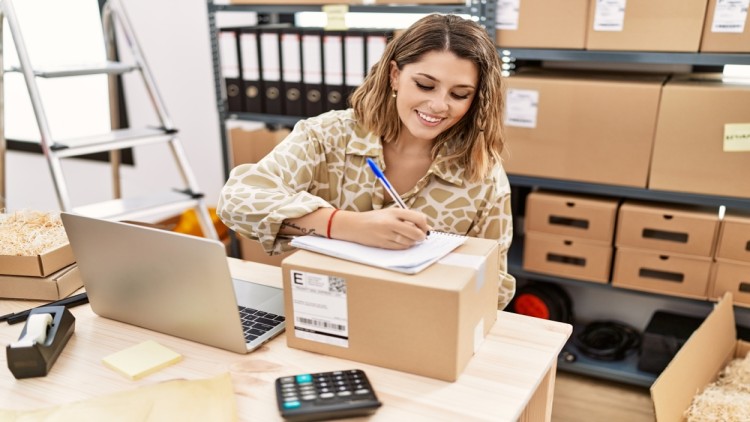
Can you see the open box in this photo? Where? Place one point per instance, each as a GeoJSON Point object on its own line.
{"type": "Point", "coordinates": [708, 350]}
{"type": "Point", "coordinates": [40, 265]}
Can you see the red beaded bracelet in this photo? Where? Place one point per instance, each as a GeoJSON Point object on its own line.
{"type": "Point", "coordinates": [330, 220]}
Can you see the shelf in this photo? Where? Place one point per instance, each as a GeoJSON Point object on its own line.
{"type": "Point", "coordinates": [374, 8]}
{"type": "Point", "coordinates": [704, 59]}
{"type": "Point", "coordinates": [630, 192]}
{"type": "Point", "coordinates": [271, 119]}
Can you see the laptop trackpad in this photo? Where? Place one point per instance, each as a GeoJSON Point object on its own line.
{"type": "Point", "coordinates": [258, 296]}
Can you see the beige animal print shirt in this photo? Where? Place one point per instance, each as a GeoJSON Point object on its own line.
{"type": "Point", "coordinates": [322, 164]}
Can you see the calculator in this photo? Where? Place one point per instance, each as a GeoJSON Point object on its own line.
{"type": "Point", "coordinates": [325, 395]}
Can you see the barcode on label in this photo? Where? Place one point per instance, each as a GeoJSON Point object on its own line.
{"type": "Point", "coordinates": [322, 324]}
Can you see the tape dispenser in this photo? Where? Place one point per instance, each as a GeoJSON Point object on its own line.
{"type": "Point", "coordinates": [47, 331]}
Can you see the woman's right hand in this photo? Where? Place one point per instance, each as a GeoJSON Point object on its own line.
{"type": "Point", "coordinates": [389, 228]}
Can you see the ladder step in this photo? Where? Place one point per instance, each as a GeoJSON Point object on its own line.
{"type": "Point", "coordinates": [79, 70]}
{"type": "Point", "coordinates": [139, 207]}
{"type": "Point", "coordinates": [117, 139]}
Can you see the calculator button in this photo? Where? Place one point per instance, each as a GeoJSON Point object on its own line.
{"type": "Point", "coordinates": [362, 391]}
{"type": "Point", "coordinates": [307, 397]}
{"type": "Point", "coordinates": [304, 379]}
{"type": "Point", "coordinates": [292, 405]}
{"type": "Point", "coordinates": [326, 395]}
{"type": "Point", "coordinates": [344, 393]}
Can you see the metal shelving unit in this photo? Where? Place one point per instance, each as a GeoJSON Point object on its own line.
{"type": "Point", "coordinates": [697, 59]}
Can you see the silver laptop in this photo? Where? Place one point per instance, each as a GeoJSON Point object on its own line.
{"type": "Point", "coordinates": [171, 283]}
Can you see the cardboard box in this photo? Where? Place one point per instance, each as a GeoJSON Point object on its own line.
{"type": "Point", "coordinates": [567, 257]}
{"type": "Point", "coordinates": [708, 350]}
{"type": "Point", "coordinates": [250, 250]}
{"type": "Point", "coordinates": [538, 24]}
{"type": "Point", "coordinates": [55, 286]}
{"type": "Point", "coordinates": [582, 217]}
{"type": "Point", "coordinates": [249, 146]}
{"type": "Point", "coordinates": [587, 127]}
{"type": "Point", "coordinates": [646, 25]}
{"type": "Point", "coordinates": [734, 238]}
{"type": "Point", "coordinates": [690, 150]}
{"type": "Point", "coordinates": [728, 34]}
{"type": "Point", "coordinates": [351, 2]}
{"type": "Point", "coordinates": [40, 265]}
{"type": "Point", "coordinates": [669, 274]}
{"type": "Point", "coordinates": [732, 277]}
{"type": "Point", "coordinates": [683, 230]}
{"type": "Point", "coordinates": [428, 324]}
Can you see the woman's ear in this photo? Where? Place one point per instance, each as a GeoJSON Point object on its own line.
{"type": "Point", "coordinates": [395, 72]}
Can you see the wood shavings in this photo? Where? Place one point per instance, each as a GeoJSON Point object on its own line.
{"type": "Point", "coordinates": [727, 399]}
{"type": "Point", "coordinates": [30, 233]}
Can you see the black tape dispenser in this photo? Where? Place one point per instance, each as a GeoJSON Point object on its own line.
{"type": "Point", "coordinates": [45, 334]}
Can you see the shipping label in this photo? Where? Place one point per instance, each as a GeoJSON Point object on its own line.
{"type": "Point", "coordinates": [320, 308]}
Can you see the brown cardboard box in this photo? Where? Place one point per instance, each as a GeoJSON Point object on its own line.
{"type": "Point", "coordinates": [734, 238]}
{"type": "Point", "coordinates": [429, 324]}
{"type": "Point", "coordinates": [737, 40]}
{"type": "Point", "coordinates": [583, 217]}
{"type": "Point", "coordinates": [647, 25]}
{"type": "Point", "coordinates": [249, 146]}
{"type": "Point", "coordinates": [54, 286]}
{"type": "Point", "coordinates": [669, 274]}
{"type": "Point", "coordinates": [250, 250]}
{"type": "Point", "coordinates": [539, 24]}
{"type": "Point", "coordinates": [567, 257]}
{"type": "Point", "coordinates": [352, 2]}
{"type": "Point", "coordinates": [699, 361]}
{"type": "Point", "coordinates": [588, 127]}
{"type": "Point", "coordinates": [689, 148]}
{"type": "Point", "coordinates": [732, 277]}
{"type": "Point", "coordinates": [683, 230]}
{"type": "Point", "coordinates": [39, 265]}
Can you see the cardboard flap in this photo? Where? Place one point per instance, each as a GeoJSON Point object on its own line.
{"type": "Point", "coordinates": [695, 365]}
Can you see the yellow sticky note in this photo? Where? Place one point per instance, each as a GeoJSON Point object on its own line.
{"type": "Point", "coordinates": [336, 16]}
{"type": "Point", "coordinates": [736, 137]}
{"type": "Point", "coordinates": [142, 359]}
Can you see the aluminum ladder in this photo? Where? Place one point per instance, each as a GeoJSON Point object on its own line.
{"type": "Point", "coordinates": [188, 197]}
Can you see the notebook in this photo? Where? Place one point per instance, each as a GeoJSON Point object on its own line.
{"type": "Point", "coordinates": [409, 261]}
{"type": "Point", "coordinates": [171, 283]}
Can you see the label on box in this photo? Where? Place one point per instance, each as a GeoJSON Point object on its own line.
{"type": "Point", "coordinates": [507, 14]}
{"type": "Point", "coordinates": [737, 137]}
{"type": "Point", "coordinates": [609, 15]}
{"type": "Point", "coordinates": [730, 16]}
{"type": "Point", "coordinates": [320, 308]}
{"type": "Point", "coordinates": [521, 107]}
{"type": "Point", "coordinates": [474, 262]}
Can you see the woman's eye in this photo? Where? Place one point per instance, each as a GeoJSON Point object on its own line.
{"type": "Point", "coordinates": [461, 97]}
{"type": "Point", "coordinates": [424, 87]}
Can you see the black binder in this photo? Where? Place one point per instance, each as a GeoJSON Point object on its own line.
{"type": "Point", "coordinates": [312, 71]}
{"type": "Point", "coordinates": [333, 69]}
{"type": "Point", "coordinates": [270, 69]}
{"type": "Point", "coordinates": [250, 70]}
{"type": "Point", "coordinates": [231, 71]}
{"type": "Point", "coordinates": [291, 71]}
{"type": "Point", "coordinates": [354, 62]}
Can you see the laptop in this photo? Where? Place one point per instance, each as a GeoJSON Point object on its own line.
{"type": "Point", "coordinates": [171, 283]}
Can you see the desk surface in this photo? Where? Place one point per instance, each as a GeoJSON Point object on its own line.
{"type": "Point", "coordinates": [498, 383]}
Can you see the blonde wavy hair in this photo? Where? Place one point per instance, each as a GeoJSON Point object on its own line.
{"type": "Point", "coordinates": [476, 141]}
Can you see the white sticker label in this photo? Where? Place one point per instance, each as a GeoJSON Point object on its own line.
{"type": "Point", "coordinates": [507, 14]}
{"type": "Point", "coordinates": [730, 16]}
{"type": "Point", "coordinates": [737, 137]}
{"type": "Point", "coordinates": [521, 108]}
{"type": "Point", "coordinates": [475, 262]}
{"type": "Point", "coordinates": [320, 308]}
{"type": "Point", "coordinates": [609, 15]}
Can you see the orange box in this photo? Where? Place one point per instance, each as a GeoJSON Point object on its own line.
{"type": "Point", "coordinates": [730, 33]}
{"type": "Point", "coordinates": [669, 274]}
{"type": "Point", "coordinates": [567, 257]}
{"type": "Point", "coordinates": [582, 217]}
{"type": "Point", "coordinates": [683, 230]}
{"type": "Point", "coordinates": [588, 127]}
{"type": "Point", "coordinates": [732, 277]}
{"type": "Point", "coordinates": [646, 25]}
{"type": "Point", "coordinates": [538, 24]}
{"type": "Point", "coordinates": [734, 238]}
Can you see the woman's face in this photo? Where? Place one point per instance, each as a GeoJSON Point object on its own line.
{"type": "Point", "coordinates": [434, 93]}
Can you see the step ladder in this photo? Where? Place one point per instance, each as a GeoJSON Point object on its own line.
{"type": "Point", "coordinates": [189, 197]}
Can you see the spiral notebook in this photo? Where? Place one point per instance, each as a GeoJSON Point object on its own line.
{"type": "Point", "coordinates": [409, 261]}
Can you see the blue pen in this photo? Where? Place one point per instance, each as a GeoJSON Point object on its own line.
{"type": "Point", "coordinates": [386, 183]}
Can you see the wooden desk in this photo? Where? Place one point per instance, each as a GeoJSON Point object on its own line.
{"type": "Point", "coordinates": [510, 378]}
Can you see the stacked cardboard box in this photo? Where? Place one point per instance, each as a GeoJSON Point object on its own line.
{"type": "Point", "coordinates": [665, 249]}
{"type": "Point", "coordinates": [727, 28]}
{"type": "Point", "coordinates": [538, 24]}
{"type": "Point", "coordinates": [50, 275]}
{"type": "Point", "coordinates": [569, 235]}
{"type": "Point", "coordinates": [731, 272]}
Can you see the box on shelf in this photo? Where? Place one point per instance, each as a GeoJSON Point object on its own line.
{"type": "Point", "coordinates": [537, 24]}
{"type": "Point", "coordinates": [661, 228]}
{"type": "Point", "coordinates": [708, 350]}
{"type": "Point", "coordinates": [249, 146]}
{"type": "Point", "coordinates": [727, 31]}
{"type": "Point", "coordinates": [580, 126]}
{"type": "Point", "coordinates": [732, 277]}
{"type": "Point", "coordinates": [351, 2]}
{"type": "Point", "coordinates": [429, 324]}
{"type": "Point", "coordinates": [734, 238]}
{"type": "Point", "coordinates": [54, 286]}
{"type": "Point", "coordinates": [668, 274]}
{"type": "Point", "coordinates": [646, 25]}
{"type": "Point", "coordinates": [583, 217]}
{"type": "Point", "coordinates": [39, 265]}
{"type": "Point", "coordinates": [567, 257]}
{"type": "Point", "coordinates": [702, 141]}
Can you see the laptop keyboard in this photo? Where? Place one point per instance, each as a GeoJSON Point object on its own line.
{"type": "Point", "coordinates": [255, 323]}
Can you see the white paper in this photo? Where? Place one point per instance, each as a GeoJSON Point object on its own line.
{"type": "Point", "coordinates": [521, 108]}
{"type": "Point", "coordinates": [609, 15]}
{"type": "Point", "coordinates": [730, 16]}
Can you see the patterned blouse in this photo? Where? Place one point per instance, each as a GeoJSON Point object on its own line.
{"type": "Point", "coordinates": [322, 164]}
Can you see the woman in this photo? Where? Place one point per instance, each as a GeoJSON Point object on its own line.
{"type": "Point", "coordinates": [429, 114]}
